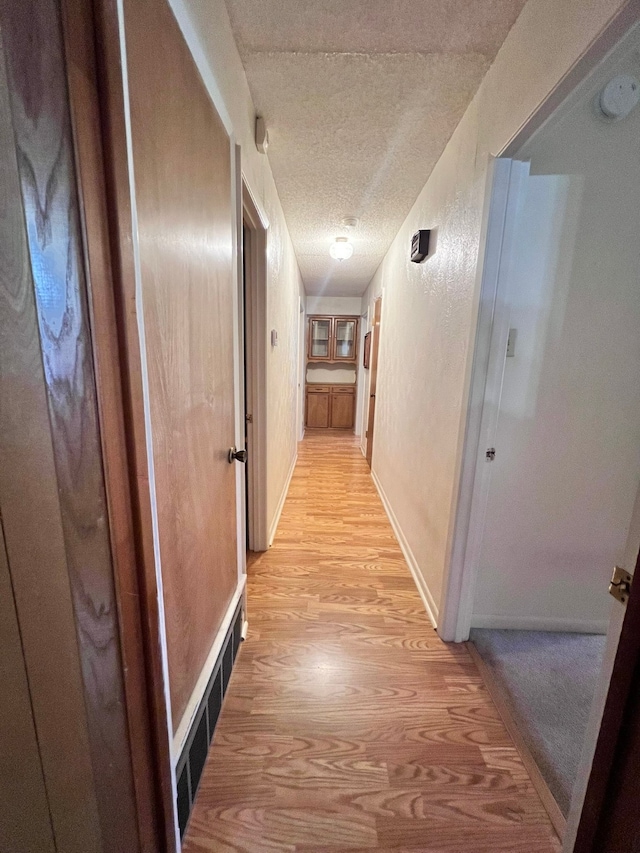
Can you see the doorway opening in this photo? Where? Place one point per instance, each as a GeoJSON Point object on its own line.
{"type": "Point", "coordinates": [331, 363]}
{"type": "Point", "coordinates": [302, 349]}
{"type": "Point", "coordinates": [254, 293]}
{"type": "Point", "coordinates": [553, 470]}
{"type": "Point", "coordinates": [373, 377]}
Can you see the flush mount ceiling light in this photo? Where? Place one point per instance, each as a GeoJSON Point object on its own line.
{"type": "Point", "coordinates": [341, 249]}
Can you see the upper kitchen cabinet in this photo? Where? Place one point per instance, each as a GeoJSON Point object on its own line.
{"type": "Point", "coordinates": [320, 338]}
{"type": "Point", "coordinates": [344, 338]}
{"type": "Point", "coordinates": [333, 339]}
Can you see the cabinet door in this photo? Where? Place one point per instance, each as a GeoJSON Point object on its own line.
{"type": "Point", "coordinates": [320, 339]}
{"type": "Point", "coordinates": [342, 409]}
{"type": "Point", "coordinates": [318, 404]}
{"type": "Point", "coordinates": [345, 333]}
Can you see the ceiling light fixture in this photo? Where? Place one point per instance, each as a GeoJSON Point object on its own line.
{"type": "Point", "coordinates": [341, 249]}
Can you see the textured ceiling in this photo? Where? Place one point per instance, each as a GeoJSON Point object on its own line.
{"type": "Point", "coordinates": [360, 98]}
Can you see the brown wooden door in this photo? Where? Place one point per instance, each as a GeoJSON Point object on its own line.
{"type": "Point", "coordinates": [182, 167]}
{"type": "Point", "coordinates": [342, 408]}
{"type": "Point", "coordinates": [55, 517]}
{"type": "Point", "coordinates": [610, 819]}
{"type": "Point", "coordinates": [373, 379]}
{"type": "Point", "coordinates": [318, 409]}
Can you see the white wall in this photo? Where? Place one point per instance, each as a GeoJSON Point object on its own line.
{"type": "Point", "coordinates": [348, 305]}
{"type": "Point", "coordinates": [429, 310]}
{"type": "Point", "coordinates": [210, 21]}
{"type": "Point", "coordinates": [567, 468]}
{"type": "Point", "coordinates": [331, 373]}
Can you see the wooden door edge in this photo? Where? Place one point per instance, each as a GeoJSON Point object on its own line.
{"type": "Point", "coordinates": [96, 102]}
{"type": "Point", "coordinates": [603, 784]}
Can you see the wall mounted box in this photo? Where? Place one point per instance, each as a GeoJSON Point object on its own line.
{"type": "Point", "coordinates": [420, 246]}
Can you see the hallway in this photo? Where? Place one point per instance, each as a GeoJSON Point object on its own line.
{"type": "Point", "coordinates": [349, 726]}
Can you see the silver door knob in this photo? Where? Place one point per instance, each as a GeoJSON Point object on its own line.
{"type": "Point", "coordinates": [239, 455]}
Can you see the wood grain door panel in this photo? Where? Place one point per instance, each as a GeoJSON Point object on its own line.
{"type": "Point", "coordinates": [342, 409]}
{"type": "Point", "coordinates": [182, 162]}
{"type": "Point", "coordinates": [52, 496]}
{"type": "Point", "coordinates": [318, 409]}
{"type": "Point", "coordinates": [24, 810]}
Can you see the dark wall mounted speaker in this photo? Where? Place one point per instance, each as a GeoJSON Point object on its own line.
{"type": "Point", "coordinates": [420, 246]}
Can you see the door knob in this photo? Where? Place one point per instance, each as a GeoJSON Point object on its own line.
{"type": "Point", "coordinates": [240, 455]}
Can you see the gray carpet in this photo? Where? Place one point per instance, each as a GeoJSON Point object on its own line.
{"type": "Point", "coordinates": [549, 681]}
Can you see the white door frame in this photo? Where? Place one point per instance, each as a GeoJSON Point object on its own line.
{"type": "Point", "coordinates": [506, 184]}
{"type": "Point", "coordinates": [254, 217]}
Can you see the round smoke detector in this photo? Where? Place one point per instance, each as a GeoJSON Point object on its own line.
{"type": "Point", "coordinates": [620, 96]}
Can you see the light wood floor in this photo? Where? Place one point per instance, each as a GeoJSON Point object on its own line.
{"type": "Point", "coordinates": [349, 725]}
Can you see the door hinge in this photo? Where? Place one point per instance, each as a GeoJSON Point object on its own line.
{"type": "Point", "coordinates": [620, 585]}
{"type": "Point", "coordinates": [490, 455]}
{"type": "Point", "coordinates": [248, 419]}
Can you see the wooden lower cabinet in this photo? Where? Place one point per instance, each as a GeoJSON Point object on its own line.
{"type": "Point", "coordinates": [342, 409]}
{"type": "Point", "coordinates": [330, 407]}
{"type": "Point", "coordinates": [318, 408]}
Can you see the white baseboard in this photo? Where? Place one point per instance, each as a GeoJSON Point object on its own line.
{"type": "Point", "coordinates": [423, 589]}
{"type": "Point", "coordinates": [542, 623]}
{"type": "Point", "coordinates": [182, 732]}
{"type": "Point", "coordinates": [276, 518]}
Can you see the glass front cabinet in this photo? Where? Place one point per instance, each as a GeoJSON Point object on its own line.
{"type": "Point", "coordinates": [320, 338]}
{"type": "Point", "coordinates": [344, 339]}
{"type": "Point", "coordinates": [333, 339]}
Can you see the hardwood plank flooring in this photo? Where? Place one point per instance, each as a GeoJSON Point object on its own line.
{"type": "Point", "coordinates": [349, 726]}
